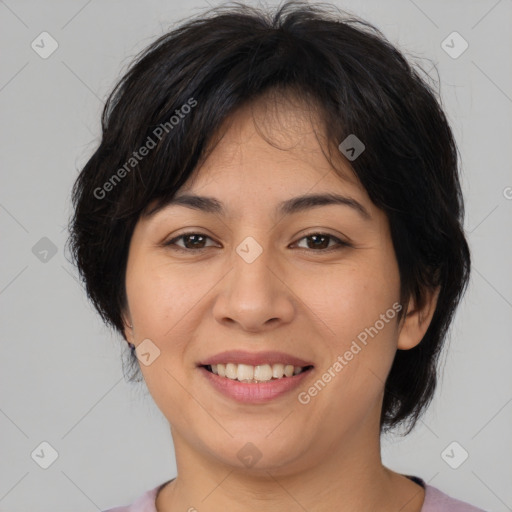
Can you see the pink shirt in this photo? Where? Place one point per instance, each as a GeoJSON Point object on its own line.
{"type": "Point", "coordinates": [435, 501]}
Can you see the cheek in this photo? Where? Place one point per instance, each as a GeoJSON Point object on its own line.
{"type": "Point", "coordinates": [358, 306]}
{"type": "Point", "coordinates": [161, 302]}
{"type": "Point", "coordinates": [347, 299]}
{"type": "Point", "coordinates": [160, 295]}
{"type": "Point", "coordinates": [357, 309]}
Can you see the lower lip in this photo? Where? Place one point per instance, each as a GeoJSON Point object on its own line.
{"type": "Point", "coordinates": [254, 392]}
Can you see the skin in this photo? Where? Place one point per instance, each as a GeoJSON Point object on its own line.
{"type": "Point", "coordinates": [296, 298]}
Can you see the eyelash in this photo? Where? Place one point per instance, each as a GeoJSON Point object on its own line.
{"type": "Point", "coordinates": [340, 243]}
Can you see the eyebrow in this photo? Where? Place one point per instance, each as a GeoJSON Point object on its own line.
{"type": "Point", "coordinates": [288, 207]}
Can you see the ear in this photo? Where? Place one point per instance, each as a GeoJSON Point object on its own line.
{"type": "Point", "coordinates": [417, 320]}
{"type": "Point", "coordinates": [128, 330]}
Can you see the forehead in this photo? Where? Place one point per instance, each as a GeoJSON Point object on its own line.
{"type": "Point", "coordinates": [275, 139]}
{"type": "Point", "coordinates": [266, 152]}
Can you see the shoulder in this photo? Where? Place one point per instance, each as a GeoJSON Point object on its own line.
{"type": "Point", "coordinates": [438, 501]}
{"type": "Point", "coordinates": [144, 503]}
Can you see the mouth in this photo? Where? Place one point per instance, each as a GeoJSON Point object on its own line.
{"type": "Point", "coordinates": [254, 378]}
{"type": "Point", "coordinates": [250, 374]}
{"type": "Point", "coordinates": [268, 382]}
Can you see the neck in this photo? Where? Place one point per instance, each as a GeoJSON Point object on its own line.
{"type": "Point", "coordinates": [348, 476]}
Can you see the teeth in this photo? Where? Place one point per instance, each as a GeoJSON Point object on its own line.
{"type": "Point", "coordinates": [244, 372]}
{"type": "Point", "coordinates": [260, 373]}
{"type": "Point", "coordinates": [277, 370]}
{"type": "Point", "coordinates": [288, 370]}
{"type": "Point", "coordinates": [231, 371]}
{"type": "Point", "coordinates": [263, 372]}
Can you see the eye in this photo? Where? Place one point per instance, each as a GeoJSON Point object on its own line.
{"type": "Point", "coordinates": [192, 241]}
{"type": "Point", "coordinates": [319, 242]}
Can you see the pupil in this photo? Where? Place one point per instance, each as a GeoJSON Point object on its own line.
{"type": "Point", "coordinates": [194, 238]}
{"type": "Point", "coordinates": [316, 237]}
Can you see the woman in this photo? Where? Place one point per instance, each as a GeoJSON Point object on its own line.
{"type": "Point", "coordinates": [273, 222]}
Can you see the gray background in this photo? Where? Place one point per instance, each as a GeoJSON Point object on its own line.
{"type": "Point", "coordinates": [60, 371]}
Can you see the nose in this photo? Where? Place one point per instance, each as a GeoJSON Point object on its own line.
{"type": "Point", "coordinates": [255, 296]}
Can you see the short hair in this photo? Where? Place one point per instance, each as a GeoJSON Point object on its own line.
{"type": "Point", "coordinates": [177, 92]}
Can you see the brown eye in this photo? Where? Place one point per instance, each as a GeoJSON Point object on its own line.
{"type": "Point", "coordinates": [320, 242]}
{"type": "Point", "coordinates": [191, 241]}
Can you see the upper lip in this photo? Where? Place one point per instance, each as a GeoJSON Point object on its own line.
{"type": "Point", "coordinates": [254, 358]}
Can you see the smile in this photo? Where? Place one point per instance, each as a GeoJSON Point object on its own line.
{"type": "Point", "coordinates": [253, 374]}
{"type": "Point", "coordinates": [254, 391]}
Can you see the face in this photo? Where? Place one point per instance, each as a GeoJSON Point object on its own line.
{"type": "Point", "coordinates": [318, 284]}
